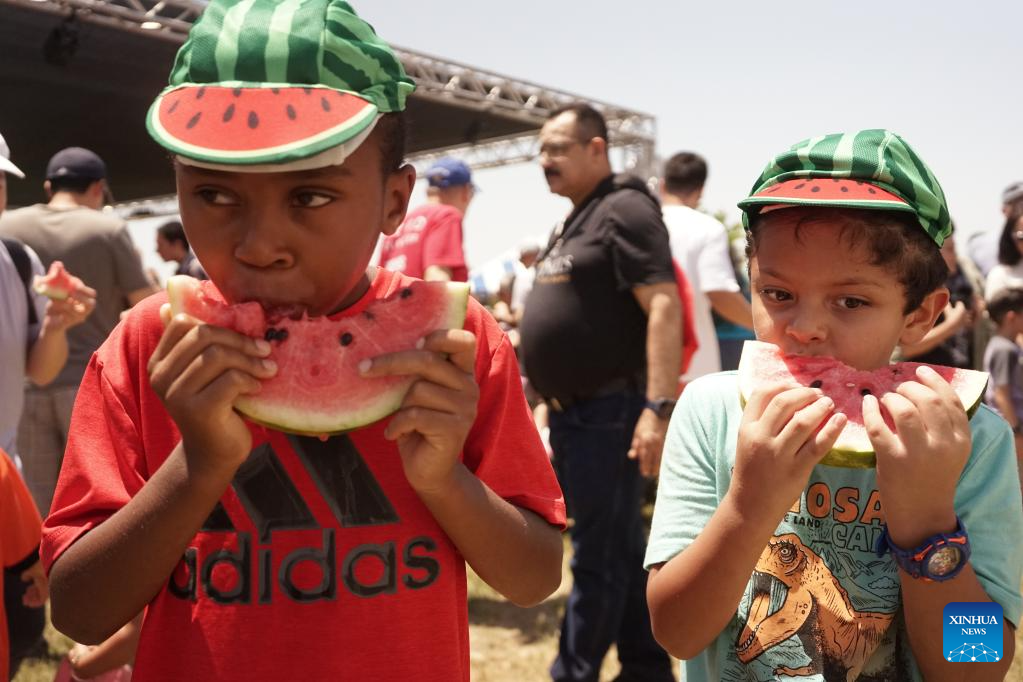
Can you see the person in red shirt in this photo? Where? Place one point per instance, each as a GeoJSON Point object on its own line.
{"type": "Point", "coordinates": [260, 555]}
{"type": "Point", "coordinates": [428, 245]}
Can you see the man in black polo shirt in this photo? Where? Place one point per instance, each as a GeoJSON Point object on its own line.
{"type": "Point", "coordinates": [601, 343]}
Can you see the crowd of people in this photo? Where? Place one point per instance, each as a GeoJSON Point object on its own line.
{"type": "Point", "coordinates": [149, 512]}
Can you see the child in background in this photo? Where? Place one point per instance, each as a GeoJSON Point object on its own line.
{"type": "Point", "coordinates": [766, 565]}
{"type": "Point", "coordinates": [260, 555]}
{"type": "Point", "coordinates": [1002, 359]}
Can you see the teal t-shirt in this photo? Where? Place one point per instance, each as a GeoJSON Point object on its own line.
{"type": "Point", "coordinates": [820, 601]}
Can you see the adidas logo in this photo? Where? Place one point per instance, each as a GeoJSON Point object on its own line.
{"type": "Point", "coordinates": [273, 503]}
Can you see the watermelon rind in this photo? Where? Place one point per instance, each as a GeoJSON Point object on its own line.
{"type": "Point", "coordinates": [854, 451]}
{"type": "Point", "coordinates": [54, 293]}
{"type": "Point", "coordinates": [302, 421]}
{"type": "Point", "coordinates": [301, 148]}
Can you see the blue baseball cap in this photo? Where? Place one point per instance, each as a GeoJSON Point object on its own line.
{"type": "Point", "coordinates": [449, 172]}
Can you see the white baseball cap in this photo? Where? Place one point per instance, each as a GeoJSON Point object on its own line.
{"type": "Point", "coordinates": [5, 160]}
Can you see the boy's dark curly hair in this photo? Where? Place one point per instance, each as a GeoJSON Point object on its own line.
{"type": "Point", "coordinates": [895, 240]}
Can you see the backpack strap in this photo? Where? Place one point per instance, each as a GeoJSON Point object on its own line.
{"type": "Point", "coordinates": [24, 266]}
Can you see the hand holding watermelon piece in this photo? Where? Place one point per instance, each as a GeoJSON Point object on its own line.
{"type": "Point", "coordinates": [57, 284]}
{"type": "Point", "coordinates": [926, 439]}
{"type": "Point", "coordinates": [318, 388]}
{"type": "Point", "coordinates": [784, 432]}
{"type": "Point", "coordinates": [764, 363]}
{"type": "Point", "coordinates": [71, 302]}
{"type": "Point", "coordinates": [438, 410]}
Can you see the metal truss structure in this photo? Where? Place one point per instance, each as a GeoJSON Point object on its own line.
{"type": "Point", "coordinates": [632, 133]}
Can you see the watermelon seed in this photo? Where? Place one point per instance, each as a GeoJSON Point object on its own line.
{"type": "Point", "coordinates": [325, 104]}
{"type": "Point", "coordinates": [291, 112]}
{"type": "Point", "coordinates": [815, 189]}
{"type": "Point", "coordinates": [866, 391]}
{"type": "Point", "coordinates": [237, 92]}
{"type": "Point", "coordinates": [308, 91]}
{"type": "Point", "coordinates": [174, 106]}
{"type": "Point", "coordinates": [406, 292]}
{"type": "Point", "coordinates": [229, 113]}
{"type": "Point", "coordinates": [202, 91]}
{"type": "Point", "coordinates": [275, 91]}
{"type": "Point", "coordinates": [800, 185]}
{"type": "Point", "coordinates": [850, 385]}
{"type": "Point", "coordinates": [871, 190]}
{"type": "Point", "coordinates": [368, 315]}
{"type": "Point", "coordinates": [817, 383]}
{"type": "Point", "coordinates": [844, 189]}
{"type": "Point", "coordinates": [273, 334]}
{"type": "Point", "coordinates": [253, 120]}
{"type": "Point", "coordinates": [346, 339]}
{"type": "Point", "coordinates": [192, 121]}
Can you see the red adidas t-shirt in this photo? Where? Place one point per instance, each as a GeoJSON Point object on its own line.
{"type": "Point", "coordinates": [319, 562]}
{"type": "Point", "coordinates": [430, 235]}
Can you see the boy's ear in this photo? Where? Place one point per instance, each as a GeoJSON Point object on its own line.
{"type": "Point", "coordinates": [397, 194]}
{"type": "Point", "coordinates": [920, 321]}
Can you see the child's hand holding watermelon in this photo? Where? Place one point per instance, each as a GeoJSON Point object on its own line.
{"type": "Point", "coordinates": [439, 409]}
{"type": "Point", "coordinates": [784, 433]}
{"type": "Point", "coordinates": [198, 371]}
{"type": "Point", "coordinates": [929, 445]}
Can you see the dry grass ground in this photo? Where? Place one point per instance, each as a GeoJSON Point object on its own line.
{"type": "Point", "coordinates": [507, 644]}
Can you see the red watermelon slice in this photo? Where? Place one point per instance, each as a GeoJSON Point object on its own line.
{"type": "Point", "coordinates": [318, 389]}
{"type": "Point", "coordinates": [254, 125]}
{"type": "Point", "coordinates": [57, 283]}
{"type": "Point", "coordinates": [763, 363]}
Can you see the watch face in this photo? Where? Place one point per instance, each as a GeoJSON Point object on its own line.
{"type": "Point", "coordinates": [944, 560]}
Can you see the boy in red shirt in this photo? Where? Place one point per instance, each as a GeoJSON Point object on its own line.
{"type": "Point", "coordinates": [260, 555]}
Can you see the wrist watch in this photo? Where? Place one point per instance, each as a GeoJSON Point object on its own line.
{"type": "Point", "coordinates": [662, 407]}
{"type": "Point", "coordinates": [940, 557]}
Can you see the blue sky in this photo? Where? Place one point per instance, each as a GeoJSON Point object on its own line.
{"type": "Point", "coordinates": [738, 82]}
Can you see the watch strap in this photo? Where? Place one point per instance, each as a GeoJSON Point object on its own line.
{"type": "Point", "coordinates": [662, 407]}
{"type": "Point", "coordinates": [914, 561]}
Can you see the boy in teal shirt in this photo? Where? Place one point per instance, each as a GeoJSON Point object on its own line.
{"type": "Point", "coordinates": [768, 565]}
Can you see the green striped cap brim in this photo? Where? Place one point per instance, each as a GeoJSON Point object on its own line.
{"type": "Point", "coordinates": [239, 123]}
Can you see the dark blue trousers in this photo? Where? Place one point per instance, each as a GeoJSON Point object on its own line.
{"type": "Point", "coordinates": [603, 490]}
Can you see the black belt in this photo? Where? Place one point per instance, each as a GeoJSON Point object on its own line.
{"type": "Point", "coordinates": [560, 404]}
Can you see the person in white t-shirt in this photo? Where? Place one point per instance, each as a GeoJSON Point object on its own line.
{"type": "Point", "coordinates": [699, 244]}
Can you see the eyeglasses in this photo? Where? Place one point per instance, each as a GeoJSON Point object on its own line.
{"type": "Point", "coordinates": [558, 149]}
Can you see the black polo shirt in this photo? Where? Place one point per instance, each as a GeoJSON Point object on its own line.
{"type": "Point", "coordinates": [582, 327]}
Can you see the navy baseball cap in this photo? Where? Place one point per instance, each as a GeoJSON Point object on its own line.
{"type": "Point", "coordinates": [449, 172]}
{"type": "Point", "coordinates": [76, 163]}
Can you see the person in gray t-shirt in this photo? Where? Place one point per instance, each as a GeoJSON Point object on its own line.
{"type": "Point", "coordinates": [1002, 360]}
{"type": "Point", "coordinates": [96, 247]}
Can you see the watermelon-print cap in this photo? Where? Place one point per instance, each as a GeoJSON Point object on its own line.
{"type": "Point", "coordinates": [273, 82]}
{"type": "Point", "coordinates": [869, 169]}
